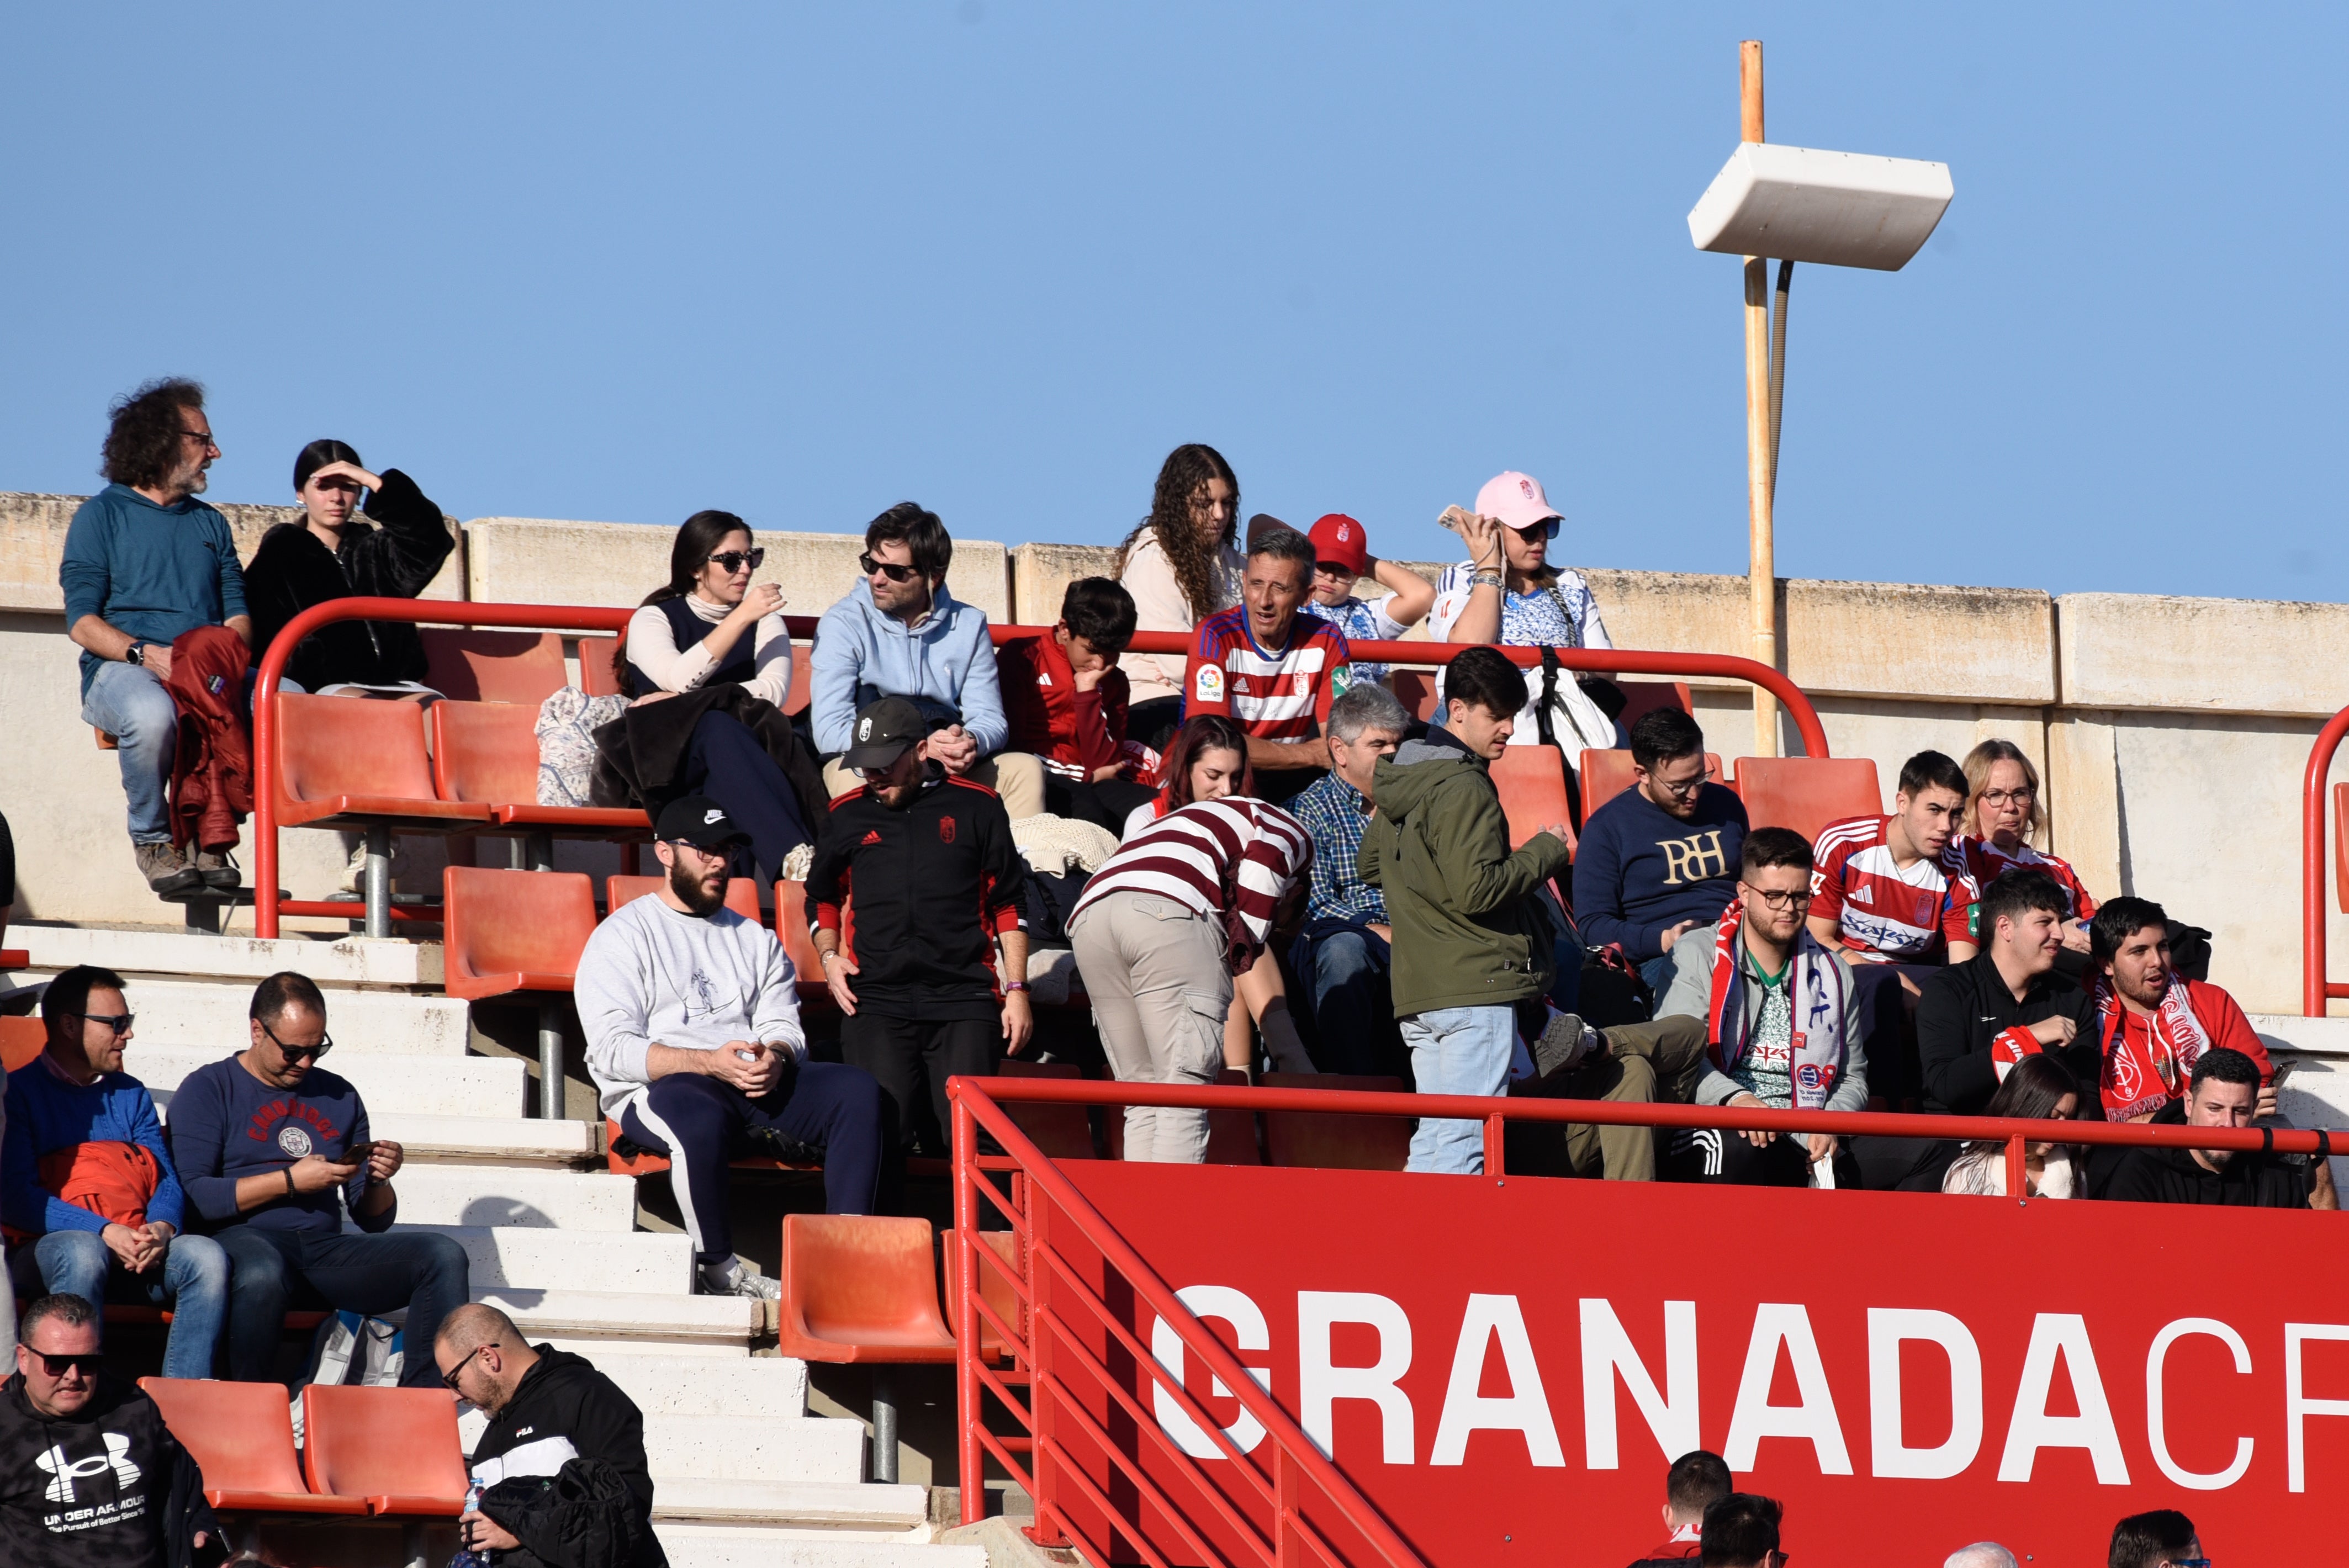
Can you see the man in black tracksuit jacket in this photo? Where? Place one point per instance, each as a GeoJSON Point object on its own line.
{"type": "Point", "coordinates": [561, 1462]}
{"type": "Point", "coordinates": [916, 880]}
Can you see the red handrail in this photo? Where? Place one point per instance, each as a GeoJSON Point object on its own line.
{"type": "Point", "coordinates": [607, 620]}
{"type": "Point", "coordinates": [2315, 990]}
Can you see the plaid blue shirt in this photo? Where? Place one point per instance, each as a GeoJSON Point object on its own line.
{"type": "Point", "coordinates": [1333, 812]}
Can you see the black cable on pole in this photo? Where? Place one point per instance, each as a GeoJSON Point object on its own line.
{"type": "Point", "coordinates": [1778, 368]}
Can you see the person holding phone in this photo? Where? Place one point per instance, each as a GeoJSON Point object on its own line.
{"type": "Point", "coordinates": [275, 1151]}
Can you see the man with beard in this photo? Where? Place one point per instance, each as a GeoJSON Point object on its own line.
{"type": "Point", "coordinates": [2153, 1023]}
{"type": "Point", "coordinates": [692, 1021]}
{"type": "Point", "coordinates": [2224, 1092]}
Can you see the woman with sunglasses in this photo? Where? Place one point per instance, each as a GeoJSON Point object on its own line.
{"type": "Point", "coordinates": [709, 623]}
{"type": "Point", "coordinates": [2003, 817]}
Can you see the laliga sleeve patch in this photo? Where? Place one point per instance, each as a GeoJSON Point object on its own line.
{"type": "Point", "coordinates": [1209, 685]}
{"type": "Point", "coordinates": [1342, 680]}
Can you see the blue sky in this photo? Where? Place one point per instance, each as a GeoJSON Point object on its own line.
{"type": "Point", "coordinates": [799, 263]}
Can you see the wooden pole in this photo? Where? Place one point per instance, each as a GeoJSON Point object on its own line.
{"type": "Point", "coordinates": [1762, 570]}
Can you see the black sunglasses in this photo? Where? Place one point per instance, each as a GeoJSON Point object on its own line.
{"type": "Point", "coordinates": [449, 1378]}
{"type": "Point", "coordinates": [325, 1043]}
{"type": "Point", "coordinates": [58, 1365]}
{"type": "Point", "coordinates": [735, 560]}
{"type": "Point", "coordinates": [889, 569]}
{"type": "Point", "coordinates": [119, 1022]}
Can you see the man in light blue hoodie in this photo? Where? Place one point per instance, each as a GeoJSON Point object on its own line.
{"type": "Point", "coordinates": [900, 633]}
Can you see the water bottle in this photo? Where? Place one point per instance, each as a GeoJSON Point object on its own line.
{"type": "Point", "coordinates": [466, 1556]}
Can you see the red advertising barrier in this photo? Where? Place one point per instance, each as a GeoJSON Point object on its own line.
{"type": "Point", "coordinates": [1500, 1367]}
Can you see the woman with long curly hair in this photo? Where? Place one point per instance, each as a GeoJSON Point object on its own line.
{"type": "Point", "coordinates": [1182, 564]}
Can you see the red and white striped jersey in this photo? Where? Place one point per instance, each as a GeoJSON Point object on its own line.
{"type": "Point", "coordinates": [1902, 914]}
{"type": "Point", "coordinates": [1986, 862]}
{"type": "Point", "coordinates": [1231, 859]}
{"type": "Point", "coordinates": [1282, 695]}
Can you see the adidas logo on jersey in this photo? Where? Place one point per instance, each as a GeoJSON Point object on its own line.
{"type": "Point", "coordinates": [1860, 894]}
{"type": "Point", "coordinates": [871, 836]}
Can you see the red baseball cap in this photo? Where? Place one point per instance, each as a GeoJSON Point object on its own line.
{"type": "Point", "coordinates": [1340, 540]}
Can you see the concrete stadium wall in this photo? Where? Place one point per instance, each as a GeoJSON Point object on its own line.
{"type": "Point", "coordinates": [2172, 732]}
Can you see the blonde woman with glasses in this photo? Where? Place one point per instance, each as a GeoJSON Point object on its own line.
{"type": "Point", "coordinates": [2003, 819]}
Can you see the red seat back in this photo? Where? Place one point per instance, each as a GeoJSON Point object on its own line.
{"type": "Point", "coordinates": [333, 746]}
{"type": "Point", "coordinates": [484, 752]}
{"type": "Point", "coordinates": [1806, 793]}
{"type": "Point", "coordinates": [1532, 782]}
{"type": "Point", "coordinates": [791, 928]}
{"type": "Point", "coordinates": [993, 1288]}
{"type": "Point", "coordinates": [2341, 844]}
{"type": "Point", "coordinates": [21, 1040]}
{"type": "Point", "coordinates": [1062, 1131]}
{"type": "Point", "coordinates": [478, 664]}
{"type": "Point", "coordinates": [1415, 689]}
{"type": "Point", "coordinates": [741, 893]}
{"type": "Point", "coordinates": [240, 1434]}
{"type": "Point", "coordinates": [1643, 697]}
{"type": "Point", "coordinates": [1332, 1141]}
{"type": "Point", "coordinates": [597, 675]}
{"type": "Point", "coordinates": [1607, 774]}
{"type": "Point", "coordinates": [862, 1279]}
{"type": "Point", "coordinates": [506, 930]}
{"type": "Point", "coordinates": [399, 1443]}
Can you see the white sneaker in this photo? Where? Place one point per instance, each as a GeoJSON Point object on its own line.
{"type": "Point", "coordinates": [733, 1278]}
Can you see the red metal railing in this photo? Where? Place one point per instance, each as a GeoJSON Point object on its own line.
{"type": "Point", "coordinates": [1269, 1518]}
{"type": "Point", "coordinates": [2315, 990]}
{"type": "Point", "coordinates": [268, 908]}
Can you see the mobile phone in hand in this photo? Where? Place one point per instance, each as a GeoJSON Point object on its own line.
{"type": "Point", "coordinates": [358, 1153]}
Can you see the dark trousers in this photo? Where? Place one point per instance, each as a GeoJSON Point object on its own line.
{"type": "Point", "coordinates": [1105, 804]}
{"type": "Point", "coordinates": [912, 1059]}
{"type": "Point", "coordinates": [701, 1123]}
{"type": "Point", "coordinates": [271, 1269]}
{"type": "Point", "coordinates": [725, 761]}
{"type": "Point", "coordinates": [1893, 1074]}
{"type": "Point", "coordinates": [1715, 1154]}
{"type": "Point", "coordinates": [1343, 970]}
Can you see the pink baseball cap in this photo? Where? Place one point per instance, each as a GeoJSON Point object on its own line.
{"type": "Point", "coordinates": [1340, 540]}
{"type": "Point", "coordinates": [1516, 499]}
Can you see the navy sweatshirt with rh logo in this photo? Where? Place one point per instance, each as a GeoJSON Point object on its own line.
{"type": "Point", "coordinates": [1639, 869]}
{"type": "Point", "coordinates": [227, 1124]}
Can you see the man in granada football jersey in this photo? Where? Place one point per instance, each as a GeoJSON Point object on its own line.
{"type": "Point", "coordinates": [1274, 671]}
{"type": "Point", "coordinates": [2152, 1023]}
{"type": "Point", "coordinates": [1892, 894]}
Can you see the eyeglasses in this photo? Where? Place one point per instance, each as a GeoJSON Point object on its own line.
{"type": "Point", "coordinates": [733, 561]}
{"type": "Point", "coordinates": [58, 1365]}
{"type": "Point", "coordinates": [1546, 529]}
{"type": "Point", "coordinates": [325, 1043]}
{"type": "Point", "coordinates": [205, 439]}
{"type": "Point", "coordinates": [1681, 790]}
{"type": "Point", "coordinates": [449, 1378]}
{"type": "Point", "coordinates": [1799, 899]}
{"type": "Point", "coordinates": [2023, 797]}
{"type": "Point", "coordinates": [119, 1022]}
{"type": "Point", "coordinates": [889, 569]}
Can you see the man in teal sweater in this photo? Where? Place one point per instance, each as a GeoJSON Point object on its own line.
{"type": "Point", "coordinates": [144, 562]}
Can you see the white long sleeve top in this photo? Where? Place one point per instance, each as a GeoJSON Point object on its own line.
{"type": "Point", "coordinates": [652, 648]}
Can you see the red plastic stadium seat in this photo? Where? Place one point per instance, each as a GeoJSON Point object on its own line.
{"type": "Point", "coordinates": [993, 1288]}
{"type": "Point", "coordinates": [20, 1041]}
{"type": "Point", "coordinates": [477, 664]}
{"type": "Point", "coordinates": [486, 753]}
{"type": "Point", "coordinates": [1062, 1131]}
{"type": "Point", "coordinates": [241, 1438]}
{"type": "Point", "coordinates": [1806, 793]}
{"type": "Point", "coordinates": [344, 762]}
{"type": "Point", "coordinates": [799, 943]}
{"type": "Point", "coordinates": [1415, 689]}
{"type": "Point", "coordinates": [861, 1287]}
{"type": "Point", "coordinates": [597, 675]}
{"type": "Point", "coordinates": [741, 893]}
{"type": "Point", "coordinates": [1332, 1142]}
{"type": "Point", "coordinates": [2341, 845]}
{"type": "Point", "coordinates": [512, 931]}
{"type": "Point", "coordinates": [396, 1448]}
{"type": "Point", "coordinates": [1607, 774]}
{"type": "Point", "coordinates": [1643, 697]}
{"type": "Point", "coordinates": [795, 700]}
{"type": "Point", "coordinates": [1532, 782]}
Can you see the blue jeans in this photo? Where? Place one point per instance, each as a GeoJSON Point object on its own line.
{"type": "Point", "coordinates": [1457, 1050]}
{"type": "Point", "coordinates": [192, 1283]}
{"type": "Point", "coordinates": [1343, 967]}
{"type": "Point", "coordinates": [276, 1267]}
{"type": "Point", "coordinates": [128, 702]}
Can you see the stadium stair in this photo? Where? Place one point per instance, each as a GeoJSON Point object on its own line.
{"type": "Point", "coordinates": [744, 1474]}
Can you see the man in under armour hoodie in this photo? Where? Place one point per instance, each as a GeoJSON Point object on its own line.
{"type": "Point", "coordinates": [1471, 938]}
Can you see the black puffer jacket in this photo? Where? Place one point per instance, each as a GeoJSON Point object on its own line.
{"type": "Point", "coordinates": [107, 1484]}
{"type": "Point", "coordinates": [565, 1460]}
{"type": "Point", "coordinates": [293, 570]}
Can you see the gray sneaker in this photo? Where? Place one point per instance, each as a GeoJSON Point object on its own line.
{"type": "Point", "coordinates": [733, 1278]}
{"type": "Point", "coordinates": [1563, 1045]}
{"type": "Point", "coordinates": [165, 871]}
{"type": "Point", "coordinates": [219, 869]}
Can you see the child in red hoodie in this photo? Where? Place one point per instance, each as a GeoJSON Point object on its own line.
{"type": "Point", "coordinates": [1066, 700]}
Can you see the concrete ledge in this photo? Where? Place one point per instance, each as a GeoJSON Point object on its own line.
{"type": "Point", "coordinates": [364, 1023]}
{"type": "Point", "coordinates": [752, 1386]}
{"type": "Point", "coordinates": [718, 1324]}
{"type": "Point", "coordinates": [2303, 1036]}
{"type": "Point", "coordinates": [346, 961]}
{"type": "Point", "coordinates": [2215, 656]}
{"type": "Point", "coordinates": [1007, 1546]}
{"type": "Point", "coordinates": [506, 1197]}
{"type": "Point", "coordinates": [442, 1086]}
{"type": "Point", "coordinates": [726, 1546]}
{"type": "Point", "coordinates": [824, 1505]}
{"type": "Point", "coordinates": [797, 1449]}
{"type": "Point", "coordinates": [487, 1140]}
{"type": "Point", "coordinates": [530, 1254]}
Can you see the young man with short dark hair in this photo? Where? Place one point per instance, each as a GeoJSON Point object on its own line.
{"type": "Point", "coordinates": [1065, 699]}
{"type": "Point", "coordinates": [929, 860]}
{"type": "Point", "coordinates": [1273, 671]}
{"type": "Point", "coordinates": [900, 633]}
{"type": "Point", "coordinates": [1660, 859]}
{"type": "Point", "coordinates": [2223, 1093]}
{"type": "Point", "coordinates": [1741, 1530]}
{"type": "Point", "coordinates": [1696, 1480]}
{"type": "Point", "coordinates": [2164, 1538]}
{"type": "Point", "coordinates": [2152, 1023]}
{"type": "Point", "coordinates": [1472, 938]}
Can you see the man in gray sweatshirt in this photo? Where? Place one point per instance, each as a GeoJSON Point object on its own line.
{"type": "Point", "coordinates": [692, 1018]}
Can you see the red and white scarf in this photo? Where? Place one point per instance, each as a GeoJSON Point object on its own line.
{"type": "Point", "coordinates": [1818, 995]}
{"type": "Point", "coordinates": [2137, 1080]}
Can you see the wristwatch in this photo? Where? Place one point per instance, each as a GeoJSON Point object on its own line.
{"type": "Point", "coordinates": [136, 654]}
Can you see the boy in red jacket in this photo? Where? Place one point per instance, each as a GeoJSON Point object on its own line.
{"type": "Point", "coordinates": [1066, 700]}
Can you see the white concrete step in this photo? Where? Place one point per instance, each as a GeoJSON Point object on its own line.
{"type": "Point", "coordinates": [655, 1322]}
{"type": "Point", "coordinates": [437, 1086]}
{"type": "Point", "coordinates": [690, 1450]}
{"type": "Point", "coordinates": [755, 1386]}
{"type": "Point", "coordinates": [487, 1140]}
{"type": "Point", "coordinates": [210, 1016]}
{"type": "Point", "coordinates": [345, 961]}
{"type": "Point", "coordinates": [2302, 1037]}
{"type": "Point", "coordinates": [721, 1546]}
{"type": "Point", "coordinates": [531, 1256]}
{"type": "Point", "coordinates": [504, 1195]}
{"type": "Point", "coordinates": [824, 1505]}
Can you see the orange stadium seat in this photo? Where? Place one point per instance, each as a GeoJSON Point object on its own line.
{"type": "Point", "coordinates": [799, 943]}
{"type": "Point", "coordinates": [1062, 1131]}
{"type": "Point", "coordinates": [396, 1448]}
{"type": "Point", "coordinates": [597, 675]}
{"type": "Point", "coordinates": [741, 893]}
{"type": "Point", "coordinates": [486, 753]}
{"type": "Point", "coordinates": [860, 1288]}
{"type": "Point", "coordinates": [1415, 689]}
{"type": "Point", "coordinates": [481, 664]}
{"type": "Point", "coordinates": [1643, 697]}
{"type": "Point", "coordinates": [993, 1288]}
{"type": "Point", "coordinates": [242, 1437]}
{"type": "Point", "coordinates": [1334, 1141]}
{"type": "Point", "coordinates": [1806, 793]}
{"type": "Point", "coordinates": [21, 1040]}
{"type": "Point", "coordinates": [1607, 774]}
{"type": "Point", "coordinates": [1532, 782]}
{"type": "Point", "coordinates": [512, 931]}
{"type": "Point", "coordinates": [343, 763]}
